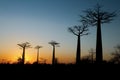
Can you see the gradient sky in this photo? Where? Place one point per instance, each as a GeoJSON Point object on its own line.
{"type": "Point", "coordinates": [40, 21]}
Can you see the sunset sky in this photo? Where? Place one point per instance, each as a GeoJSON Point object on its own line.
{"type": "Point", "coordinates": [40, 21]}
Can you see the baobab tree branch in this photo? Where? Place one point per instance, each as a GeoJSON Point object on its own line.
{"type": "Point", "coordinates": [84, 28]}
{"type": "Point", "coordinates": [90, 21]}
{"type": "Point", "coordinates": [84, 34]}
{"type": "Point", "coordinates": [91, 14]}
{"type": "Point", "coordinates": [72, 31]}
{"type": "Point", "coordinates": [20, 45]}
{"type": "Point", "coordinates": [28, 46]}
{"type": "Point", "coordinates": [54, 43]}
{"type": "Point", "coordinates": [107, 17]}
{"type": "Point", "coordinates": [77, 28]}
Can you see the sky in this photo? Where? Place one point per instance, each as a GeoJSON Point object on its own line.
{"type": "Point", "coordinates": [40, 21]}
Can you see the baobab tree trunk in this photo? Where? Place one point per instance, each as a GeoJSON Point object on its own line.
{"type": "Point", "coordinates": [78, 51]}
{"type": "Point", "coordinates": [23, 56]}
{"type": "Point", "coordinates": [99, 56]}
{"type": "Point", "coordinates": [53, 57]}
{"type": "Point", "coordinates": [38, 56]}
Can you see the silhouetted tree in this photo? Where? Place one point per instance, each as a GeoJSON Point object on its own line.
{"type": "Point", "coordinates": [116, 55]}
{"type": "Point", "coordinates": [19, 60]}
{"type": "Point", "coordinates": [96, 17]}
{"type": "Point", "coordinates": [54, 43]}
{"type": "Point", "coordinates": [79, 31]}
{"type": "Point", "coordinates": [38, 47]}
{"type": "Point", "coordinates": [92, 53]}
{"type": "Point", "coordinates": [24, 46]}
{"type": "Point", "coordinates": [86, 59]}
{"type": "Point", "coordinates": [43, 60]}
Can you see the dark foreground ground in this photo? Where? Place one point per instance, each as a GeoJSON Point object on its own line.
{"type": "Point", "coordinates": [59, 72]}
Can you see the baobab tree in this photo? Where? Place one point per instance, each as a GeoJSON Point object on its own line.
{"type": "Point", "coordinates": [96, 17]}
{"type": "Point", "coordinates": [38, 47]}
{"type": "Point", "coordinates": [79, 31]}
{"type": "Point", "coordinates": [54, 43]}
{"type": "Point", "coordinates": [24, 46]}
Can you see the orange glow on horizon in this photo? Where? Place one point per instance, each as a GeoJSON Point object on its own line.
{"type": "Point", "coordinates": [62, 54]}
{"type": "Point", "coordinates": [31, 57]}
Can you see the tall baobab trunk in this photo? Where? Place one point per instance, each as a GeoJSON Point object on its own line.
{"type": "Point", "coordinates": [38, 56]}
{"type": "Point", "coordinates": [78, 51]}
{"type": "Point", "coordinates": [23, 56]}
{"type": "Point", "coordinates": [99, 43]}
{"type": "Point", "coordinates": [53, 57]}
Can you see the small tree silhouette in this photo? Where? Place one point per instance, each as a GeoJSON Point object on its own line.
{"type": "Point", "coordinates": [43, 60]}
{"type": "Point", "coordinates": [79, 31]}
{"type": "Point", "coordinates": [96, 17]}
{"type": "Point", "coordinates": [54, 43]}
{"type": "Point", "coordinates": [38, 47]}
{"type": "Point", "coordinates": [24, 46]}
{"type": "Point", "coordinates": [116, 55]}
{"type": "Point", "coordinates": [19, 60]}
{"type": "Point", "coordinates": [92, 53]}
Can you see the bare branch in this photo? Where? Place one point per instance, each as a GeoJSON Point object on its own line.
{"type": "Point", "coordinates": [20, 45]}
{"type": "Point", "coordinates": [37, 47]}
{"type": "Point", "coordinates": [84, 34]}
{"type": "Point", "coordinates": [25, 45]}
{"type": "Point", "coordinates": [54, 43]}
{"type": "Point", "coordinates": [79, 30]}
{"type": "Point", "coordinates": [84, 28]}
{"type": "Point", "coordinates": [72, 31]}
{"type": "Point", "coordinates": [107, 17]}
{"type": "Point", "coordinates": [93, 15]}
